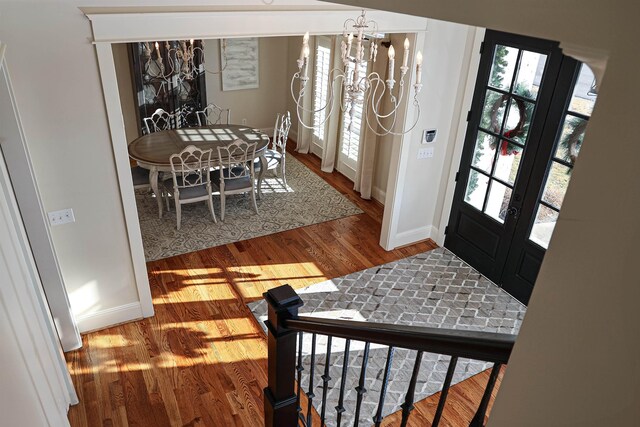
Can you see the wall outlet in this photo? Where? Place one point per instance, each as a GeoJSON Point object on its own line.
{"type": "Point", "coordinates": [425, 153]}
{"type": "Point", "coordinates": [61, 217]}
{"type": "Point", "coordinates": [244, 122]}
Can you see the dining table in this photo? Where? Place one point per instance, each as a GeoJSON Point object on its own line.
{"type": "Point", "coordinates": [152, 151]}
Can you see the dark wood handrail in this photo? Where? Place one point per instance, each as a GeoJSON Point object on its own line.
{"type": "Point", "coordinates": [286, 333]}
{"type": "Point", "coordinates": [487, 346]}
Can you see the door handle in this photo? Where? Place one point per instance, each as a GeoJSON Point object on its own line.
{"type": "Point", "coordinates": [513, 211]}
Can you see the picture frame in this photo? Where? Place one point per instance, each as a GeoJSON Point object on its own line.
{"type": "Point", "coordinates": [242, 69]}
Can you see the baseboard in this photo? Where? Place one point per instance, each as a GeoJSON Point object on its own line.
{"type": "Point", "coordinates": [438, 236]}
{"type": "Point", "coordinates": [378, 194]}
{"type": "Point", "coordinates": [109, 317]}
{"type": "Point", "coordinates": [413, 236]}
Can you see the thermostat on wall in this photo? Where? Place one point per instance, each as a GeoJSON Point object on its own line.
{"type": "Point", "coordinates": [429, 135]}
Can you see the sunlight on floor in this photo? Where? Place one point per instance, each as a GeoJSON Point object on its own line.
{"type": "Point", "coordinates": [275, 185]}
{"type": "Point", "coordinates": [186, 344]}
{"type": "Point", "coordinates": [250, 281]}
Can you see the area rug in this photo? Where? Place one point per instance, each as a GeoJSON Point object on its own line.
{"type": "Point", "coordinates": [434, 289]}
{"type": "Point", "coordinates": [307, 199]}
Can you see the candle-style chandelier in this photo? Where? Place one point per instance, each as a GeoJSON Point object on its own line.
{"type": "Point", "coordinates": [359, 88]}
{"type": "Point", "coordinates": [178, 61]}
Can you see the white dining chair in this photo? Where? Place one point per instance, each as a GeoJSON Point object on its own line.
{"type": "Point", "coordinates": [213, 115]}
{"type": "Point", "coordinates": [277, 152]}
{"type": "Point", "coordinates": [236, 174]}
{"type": "Point", "coordinates": [161, 120]}
{"type": "Point", "coordinates": [190, 181]}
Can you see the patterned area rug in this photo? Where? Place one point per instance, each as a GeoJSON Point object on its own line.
{"type": "Point", "coordinates": [435, 289]}
{"type": "Point", "coordinates": [306, 200]}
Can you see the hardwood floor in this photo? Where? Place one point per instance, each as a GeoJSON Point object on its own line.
{"type": "Point", "coordinates": [200, 361]}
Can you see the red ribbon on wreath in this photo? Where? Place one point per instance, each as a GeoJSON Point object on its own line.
{"type": "Point", "coordinates": [511, 133]}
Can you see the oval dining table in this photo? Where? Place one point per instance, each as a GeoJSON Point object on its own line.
{"type": "Point", "coordinates": [152, 151]}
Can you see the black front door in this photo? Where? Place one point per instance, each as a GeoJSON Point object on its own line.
{"type": "Point", "coordinates": [501, 216]}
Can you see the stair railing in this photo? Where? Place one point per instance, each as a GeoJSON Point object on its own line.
{"type": "Point", "coordinates": [285, 328]}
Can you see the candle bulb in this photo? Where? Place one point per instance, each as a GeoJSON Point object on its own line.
{"type": "Point", "coordinates": [305, 43]}
{"type": "Point", "coordinates": [349, 41]}
{"type": "Point", "coordinates": [392, 55]}
{"type": "Point", "coordinates": [301, 54]}
{"type": "Point", "coordinates": [418, 67]}
{"type": "Point", "coordinates": [305, 55]}
{"type": "Point", "coordinates": [405, 58]}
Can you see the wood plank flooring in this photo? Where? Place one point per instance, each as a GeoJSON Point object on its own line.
{"type": "Point", "coordinates": [200, 361]}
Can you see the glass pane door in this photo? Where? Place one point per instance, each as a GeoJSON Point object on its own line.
{"type": "Point", "coordinates": [500, 169]}
{"type": "Point", "coordinates": [566, 150]}
{"type": "Point", "coordinates": [351, 133]}
{"type": "Point", "coordinates": [509, 103]}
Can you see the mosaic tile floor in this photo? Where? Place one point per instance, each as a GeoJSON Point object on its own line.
{"type": "Point", "coordinates": [435, 289]}
{"type": "Point", "coordinates": [307, 199]}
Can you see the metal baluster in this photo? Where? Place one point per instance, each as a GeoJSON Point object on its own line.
{"type": "Point", "coordinates": [407, 406]}
{"type": "Point", "coordinates": [385, 382]}
{"type": "Point", "coordinates": [360, 388]}
{"type": "Point", "coordinates": [325, 381]}
{"type": "Point", "coordinates": [340, 408]}
{"type": "Point", "coordinates": [478, 419]}
{"type": "Point", "coordinates": [445, 391]}
{"type": "Point", "coordinates": [310, 393]}
{"type": "Point", "coordinates": [299, 368]}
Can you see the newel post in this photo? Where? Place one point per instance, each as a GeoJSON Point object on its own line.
{"type": "Point", "coordinates": [280, 400]}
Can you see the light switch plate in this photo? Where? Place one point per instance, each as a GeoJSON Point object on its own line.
{"type": "Point", "coordinates": [64, 216]}
{"type": "Point", "coordinates": [425, 153]}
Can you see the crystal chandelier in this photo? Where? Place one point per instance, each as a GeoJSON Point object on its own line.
{"type": "Point", "coordinates": [359, 88]}
{"type": "Point", "coordinates": [178, 63]}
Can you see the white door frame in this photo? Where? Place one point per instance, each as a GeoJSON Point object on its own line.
{"type": "Point", "coordinates": [454, 155]}
{"type": "Point", "coordinates": [118, 26]}
{"type": "Point", "coordinates": [23, 301]}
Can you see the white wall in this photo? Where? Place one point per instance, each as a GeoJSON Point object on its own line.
{"type": "Point", "coordinates": [63, 114]}
{"type": "Point", "coordinates": [576, 361]}
{"type": "Point", "coordinates": [446, 54]}
{"type": "Point", "coordinates": [258, 106]}
{"type": "Point", "coordinates": [293, 50]}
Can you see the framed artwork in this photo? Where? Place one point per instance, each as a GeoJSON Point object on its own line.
{"type": "Point", "coordinates": [243, 65]}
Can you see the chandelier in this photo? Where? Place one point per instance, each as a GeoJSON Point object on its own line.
{"type": "Point", "coordinates": [178, 61]}
{"type": "Point", "coordinates": [358, 88]}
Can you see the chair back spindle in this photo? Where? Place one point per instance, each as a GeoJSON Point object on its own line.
{"type": "Point", "coordinates": [161, 120]}
{"type": "Point", "coordinates": [213, 115]}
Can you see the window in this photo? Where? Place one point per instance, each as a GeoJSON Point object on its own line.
{"type": "Point", "coordinates": [351, 133]}
{"type": "Point", "coordinates": [321, 88]}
